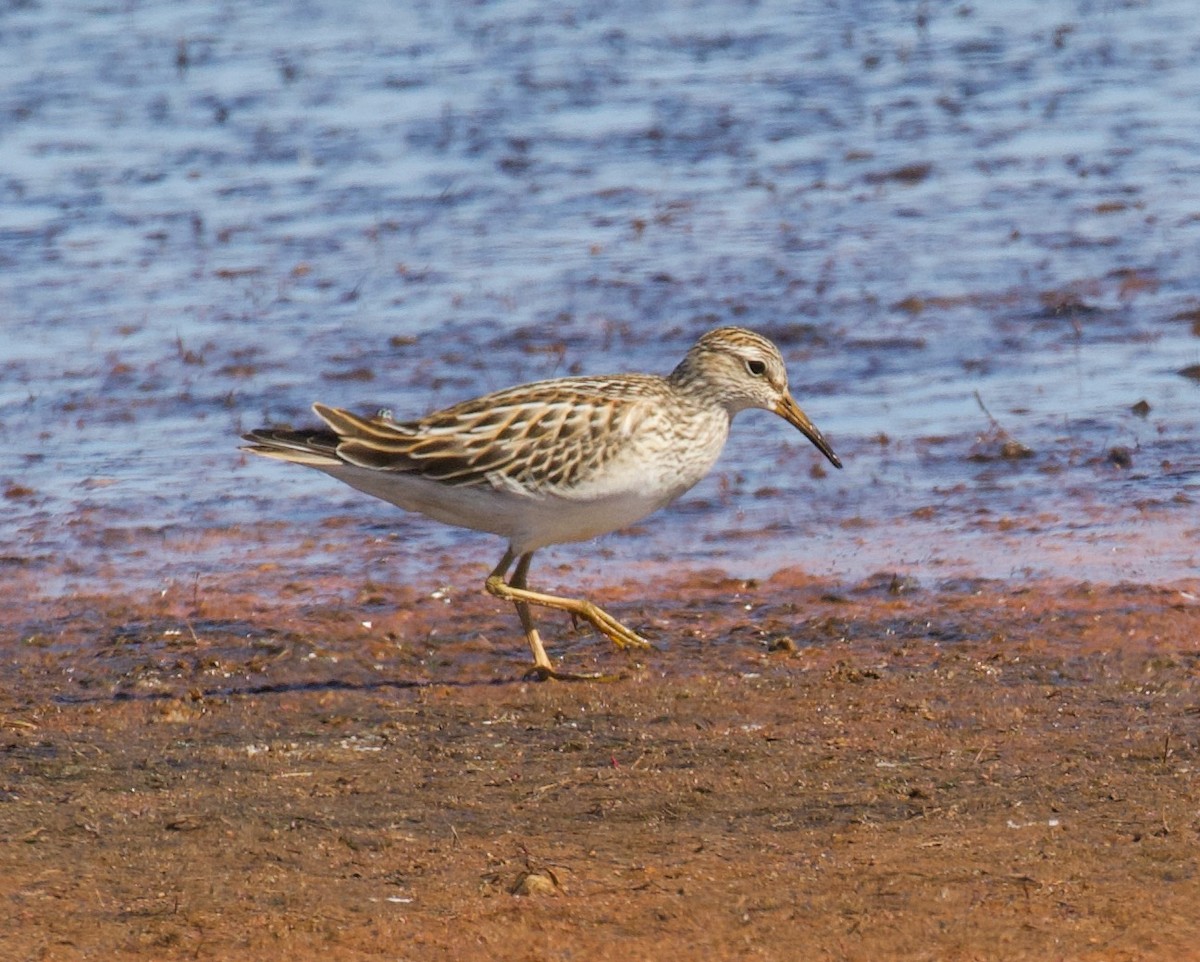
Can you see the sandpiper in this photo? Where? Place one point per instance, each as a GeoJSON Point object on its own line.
{"type": "Point", "coordinates": [555, 461]}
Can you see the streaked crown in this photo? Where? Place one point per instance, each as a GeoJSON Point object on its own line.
{"type": "Point", "coordinates": [738, 367]}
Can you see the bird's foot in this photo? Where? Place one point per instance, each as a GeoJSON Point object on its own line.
{"type": "Point", "coordinates": [608, 626]}
{"type": "Point", "coordinates": [546, 673]}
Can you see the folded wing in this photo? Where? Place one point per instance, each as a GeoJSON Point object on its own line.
{"type": "Point", "coordinates": [536, 437]}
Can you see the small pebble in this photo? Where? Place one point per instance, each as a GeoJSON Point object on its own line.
{"type": "Point", "coordinates": [1121, 456]}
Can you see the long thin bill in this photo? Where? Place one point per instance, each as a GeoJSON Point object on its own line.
{"type": "Point", "coordinates": [790, 411]}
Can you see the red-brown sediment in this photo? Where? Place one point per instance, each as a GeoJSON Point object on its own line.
{"type": "Point", "coordinates": [802, 769]}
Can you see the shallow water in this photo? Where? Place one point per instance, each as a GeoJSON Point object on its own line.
{"type": "Point", "coordinates": [213, 214]}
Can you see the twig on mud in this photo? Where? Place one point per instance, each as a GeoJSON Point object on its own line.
{"type": "Point", "coordinates": [988, 414]}
{"type": "Point", "coordinates": [1010, 448]}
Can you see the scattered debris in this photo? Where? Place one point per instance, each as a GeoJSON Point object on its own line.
{"type": "Point", "coordinates": [997, 443]}
{"type": "Point", "coordinates": [535, 883]}
{"type": "Point", "coordinates": [1121, 456]}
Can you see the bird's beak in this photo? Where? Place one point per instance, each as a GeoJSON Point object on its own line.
{"type": "Point", "coordinates": [790, 411]}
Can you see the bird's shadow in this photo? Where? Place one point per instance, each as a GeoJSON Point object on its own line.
{"type": "Point", "coordinates": [286, 688]}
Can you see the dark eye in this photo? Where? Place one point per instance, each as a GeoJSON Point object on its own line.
{"type": "Point", "coordinates": [756, 367]}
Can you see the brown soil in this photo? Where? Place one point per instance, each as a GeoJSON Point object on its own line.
{"type": "Point", "coordinates": [802, 770]}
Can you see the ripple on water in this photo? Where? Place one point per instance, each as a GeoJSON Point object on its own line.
{"type": "Point", "coordinates": [962, 227]}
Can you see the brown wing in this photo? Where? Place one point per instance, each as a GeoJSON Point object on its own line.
{"type": "Point", "coordinates": [538, 436]}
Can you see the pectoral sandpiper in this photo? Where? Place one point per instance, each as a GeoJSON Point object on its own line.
{"type": "Point", "coordinates": [555, 461]}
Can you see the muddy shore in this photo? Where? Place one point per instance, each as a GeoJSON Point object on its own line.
{"type": "Point", "coordinates": [801, 769]}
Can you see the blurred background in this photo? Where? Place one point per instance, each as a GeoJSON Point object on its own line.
{"type": "Point", "coordinates": [974, 230]}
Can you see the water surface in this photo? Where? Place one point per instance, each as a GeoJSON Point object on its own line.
{"type": "Point", "coordinates": [213, 214]}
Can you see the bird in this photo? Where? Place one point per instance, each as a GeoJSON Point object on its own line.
{"type": "Point", "coordinates": [555, 461]}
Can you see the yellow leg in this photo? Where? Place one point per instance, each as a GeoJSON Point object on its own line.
{"type": "Point", "coordinates": [521, 597]}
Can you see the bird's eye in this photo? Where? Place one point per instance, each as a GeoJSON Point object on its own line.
{"type": "Point", "coordinates": [756, 367]}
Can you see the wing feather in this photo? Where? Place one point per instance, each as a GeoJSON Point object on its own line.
{"type": "Point", "coordinates": [538, 437]}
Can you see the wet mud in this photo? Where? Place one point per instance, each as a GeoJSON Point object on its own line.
{"type": "Point", "coordinates": [801, 768]}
